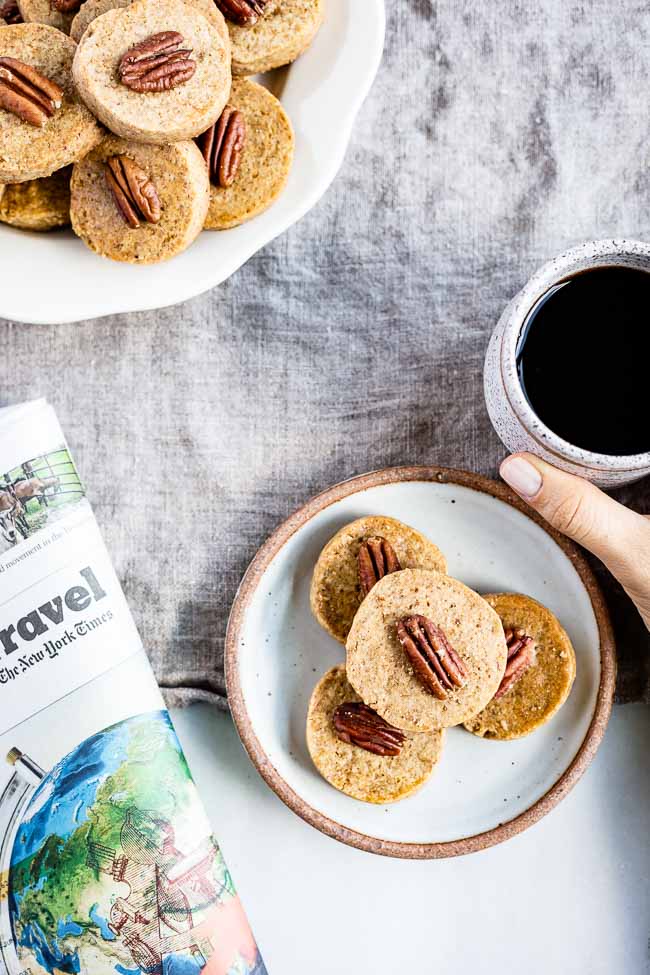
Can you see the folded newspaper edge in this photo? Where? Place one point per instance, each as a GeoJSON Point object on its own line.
{"type": "Point", "coordinates": [107, 860]}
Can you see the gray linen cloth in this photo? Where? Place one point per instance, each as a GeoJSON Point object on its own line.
{"type": "Point", "coordinates": [496, 135]}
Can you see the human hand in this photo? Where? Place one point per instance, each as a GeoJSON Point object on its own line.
{"type": "Point", "coordinates": [619, 537]}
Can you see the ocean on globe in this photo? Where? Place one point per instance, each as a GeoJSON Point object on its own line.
{"type": "Point", "coordinates": [114, 868]}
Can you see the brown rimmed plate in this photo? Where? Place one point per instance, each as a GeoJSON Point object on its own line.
{"type": "Point", "coordinates": [483, 792]}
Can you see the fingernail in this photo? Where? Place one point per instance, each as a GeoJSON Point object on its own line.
{"type": "Point", "coordinates": [521, 476]}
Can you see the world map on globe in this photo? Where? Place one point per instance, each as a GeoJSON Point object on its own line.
{"type": "Point", "coordinates": [114, 868]}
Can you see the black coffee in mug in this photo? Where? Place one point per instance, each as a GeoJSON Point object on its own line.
{"type": "Point", "coordinates": [583, 359]}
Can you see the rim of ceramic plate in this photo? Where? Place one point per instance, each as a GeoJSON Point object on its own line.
{"type": "Point", "coordinates": [305, 810]}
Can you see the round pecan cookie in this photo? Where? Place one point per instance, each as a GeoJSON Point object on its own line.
{"type": "Point", "coordinates": [157, 71]}
{"type": "Point", "coordinates": [38, 204]}
{"type": "Point", "coordinates": [91, 9]}
{"type": "Point", "coordinates": [56, 13]}
{"type": "Point", "coordinates": [249, 151]}
{"type": "Point", "coordinates": [138, 203]}
{"type": "Point", "coordinates": [340, 732]}
{"type": "Point", "coordinates": [425, 651]}
{"type": "Point", "coordinates": [285, 29]}
{"type": "Point", "coordinates": [48, 126]}
{"type": "Point", "coordinates": [539, 674]}
{"type": "Point", "coordinates": [337, 589]}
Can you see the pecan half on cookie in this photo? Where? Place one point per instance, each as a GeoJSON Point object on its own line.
{"type": "Point", "coordinates": [376, 559]}
{"type": "Point", "coordinates": [222, 146]}
{"type": "Point", "coordinates": [134, 194]}
{"type": "Point", "coordinates": [435, 662]}
{"type": "Point", "coordinates": [158, 63]}
{"type": "Point", "coordinates": [357, 724]}
{"type": "Point", "coordinates": [520, 657]}
{"type": "Point", "coordinates": [244, 13]}
{"type": "Point", "coordinates": [66, 6]}
{"type": "Point", "coordinates": [27, 93]}
{"type": "Point", "coordinates": [10, 13]}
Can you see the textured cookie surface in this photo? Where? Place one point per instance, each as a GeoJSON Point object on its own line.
{"type": "Point", "coordinates": [181, 182]}
{"type": "Point", "coordinates": [265, 161]}
{"type": "Point", "coordinates": [28, 151]}
{"type": "Point", "coordinates": [335, 590]}
{"type": "Point", "coordinates": [544, 687]}
{"type": "Point", "coordinates": [355, 771]}
{"type": "Point", "coordinates": [39, 204]}
{"type": "Point", "coordinates": [44, 12]}
{"type": "Point", "coordinates": [156, 117]}
{"type": "Point", "coordinates": [92, 9]}
{"type": "Point", "coordinates": [286, 30]}
{"type": "Point", "coordinates": [380, 671]}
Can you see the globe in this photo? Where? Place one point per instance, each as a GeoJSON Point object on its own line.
{"type": "Point", "coordinates": [114, 868]}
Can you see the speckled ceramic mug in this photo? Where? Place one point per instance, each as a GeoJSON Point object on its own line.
{"type": "Point", "coordinates": [511, 414]}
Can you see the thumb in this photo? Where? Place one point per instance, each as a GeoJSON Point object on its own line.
{"type": "Point", "coordinates": [615, 534]}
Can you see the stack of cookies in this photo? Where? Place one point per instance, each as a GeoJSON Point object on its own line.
{"type": "Point", "coordinates": [136, 121]}
{"type": "Point", "coordinates": [423, 653]}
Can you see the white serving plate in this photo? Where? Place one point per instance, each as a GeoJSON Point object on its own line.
{"type": "Point", "coordinates": [321, 92]}
{"type": "Point", "coordinates": [483, 791]}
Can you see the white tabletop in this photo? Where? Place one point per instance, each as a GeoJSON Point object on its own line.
{"type": "Point", "coordinates": [570, 896]}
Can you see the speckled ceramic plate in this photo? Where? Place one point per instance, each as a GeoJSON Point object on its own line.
{"type": "Point", "coordinates": [321, 92]}
{"type": "Point", "coordinates": [482, 792]}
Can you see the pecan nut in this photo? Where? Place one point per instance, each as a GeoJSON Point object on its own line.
{"type": "Point", "coordinates": [521, 649]}
{"type": "Point", "coordinates": [158, 63]}
{"type": "Point", "coordinates": [222, 145]}
{"type": "Point", "coordinates": [10, 13]}
{"type": "Point", "coordinates": [357, 724]}
{"type": "Point", "coordinates": [66, 6]}
{"type": "Point", "coordinates": [376, 559]}
{"type": "Point", "coordinates": [244, 13]}
{"type": "Point", "coordinates": [134, 194]}
{"type": "Point", "coordinates": [27, 93]}
{"type": "Point", "coordinates": [435, 662]}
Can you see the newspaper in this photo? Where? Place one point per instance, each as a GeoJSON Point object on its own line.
{"type": "Point", "coordinates": [107, 861]}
